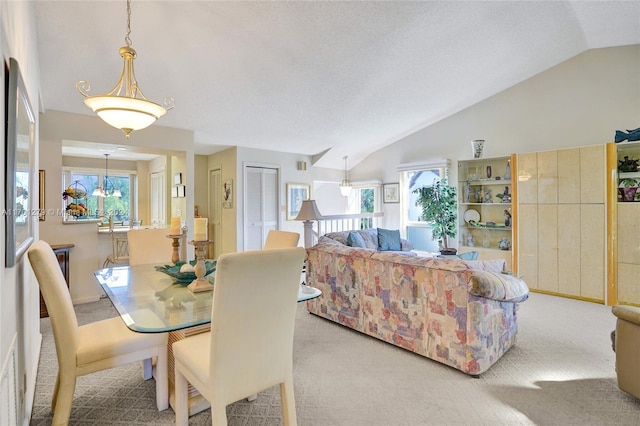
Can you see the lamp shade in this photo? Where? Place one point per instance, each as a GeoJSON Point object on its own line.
{"type": "Point", "coordinates": [345, 189]}
{"type": "Point", "coordinates": [309, 211]}
{"type": "Point", "coordinates": [125, 113]}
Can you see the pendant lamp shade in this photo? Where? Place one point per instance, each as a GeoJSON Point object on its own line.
{"type": "Point", "coordinates": [345, 185]}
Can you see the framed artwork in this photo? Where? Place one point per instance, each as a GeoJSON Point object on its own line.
{"type": "Point", "coordinates": [41, 209]}
{"type": "Point", "coordinates": [177, 179]}
{"type": "Point", "coordinates": [19, 169]}
{"type": "Point", "coordinates": [391, 193]}
{"type": "Point", "coordinates": [296, 194]}
{"type": "Point", "coordinates": [181, 191]}
{"type": "Point", "coordinates": [174, 192]}
{"type": "Point", "coordinates": [227, 194]}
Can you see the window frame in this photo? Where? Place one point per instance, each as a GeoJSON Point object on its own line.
{"type": "Point", "coordinates": [68, 172]}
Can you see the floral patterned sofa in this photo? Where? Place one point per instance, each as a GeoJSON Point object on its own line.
{"type": "Point", "coordinates": [439, 308]}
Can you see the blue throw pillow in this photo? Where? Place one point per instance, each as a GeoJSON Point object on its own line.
{"type": "Point", "coordinates": [389, 240]}
{"type": "Point", "coordinates": [355, 240]}
{"type": "Point", "coordinates": [470, 255]}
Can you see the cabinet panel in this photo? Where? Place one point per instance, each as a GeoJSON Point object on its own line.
{"type": "Point", "coordinates": [592, 174]}
{"type": "Point", "coordinates": [592, 251]}
{"type": "Point", "coordinates": [569, 257]}
{"type": "Point", "coordinates": [569, 176]}
{"type": "Point", "coordinates": [547, 177]}
{"type": "Point", "coordinates": [548, 247]}
{"type": "Point", "coordinates": [528, 244]}
{"type": "Point", "coordinates": [629, 233]}
{"type": "Point", "coordinates": [628, 284]}
{"type": "Point", "coordinates": [527, 178]}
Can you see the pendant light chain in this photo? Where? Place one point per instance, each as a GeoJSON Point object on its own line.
{"type": "Point", "coordinates": [127, 39]}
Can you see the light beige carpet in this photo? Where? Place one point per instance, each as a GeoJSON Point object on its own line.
{"type": "Point", "coordinates": [561, 372]}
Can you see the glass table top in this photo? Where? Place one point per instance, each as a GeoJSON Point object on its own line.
{"type": "Point", "coordinates": [150, 301]}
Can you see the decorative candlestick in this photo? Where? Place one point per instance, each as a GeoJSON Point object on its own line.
{"type": "Point", "coordinates": [175, 255]}
{"type": "Point", "coordinates": [200, 284]}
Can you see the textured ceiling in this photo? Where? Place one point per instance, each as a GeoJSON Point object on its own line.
{"type": "Point", "coordinates": [311, 76]}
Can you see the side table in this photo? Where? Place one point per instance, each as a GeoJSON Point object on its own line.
{"type": "Point", "coordinates": [62, 252]}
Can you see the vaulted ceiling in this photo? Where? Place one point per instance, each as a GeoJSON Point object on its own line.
{"type": "Point", "coordinates": [345, 77]}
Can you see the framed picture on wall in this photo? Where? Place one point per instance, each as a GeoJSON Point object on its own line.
{"type": "Point", "coordinates": [227, 194]}
{"type": "Point", "coordinates": [41, 209]}
{"type": "Point", "coordinates": [296, 194]}
{"type": "Point", "coordinates": [391, 193]}
{"type": "Point", "coordinates": [19, 170]}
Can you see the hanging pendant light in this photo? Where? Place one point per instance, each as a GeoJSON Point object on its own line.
{"type": "Point", "coordinates": [107, 189]}
{"type": "Point", "coordinates": [125, 107]}
{"type": "Point", "coordinates": [345, 186]}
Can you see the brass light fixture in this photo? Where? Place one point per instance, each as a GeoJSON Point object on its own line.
{"type": "Point", "coordinates": [345, 185]}
{"type": "Point", "coordinates": [107, 189]}
{"type": "Point", "coordinates": [125, 107]}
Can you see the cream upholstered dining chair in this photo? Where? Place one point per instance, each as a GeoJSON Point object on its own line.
{"type": "Point", "coordinates": [92, 347]}
{"type": "Point", "coordinates": [250, 345]}
{"type": "Point", "coordinates": [281, 239]}
{"type": "Point", "coordinates": [149, 246]}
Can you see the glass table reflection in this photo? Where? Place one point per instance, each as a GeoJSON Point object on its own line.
{"type": "Point", "coordinates": [150, 301]}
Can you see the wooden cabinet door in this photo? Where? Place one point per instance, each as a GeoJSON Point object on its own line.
{"type": "Point", "coordinates": [592, 251]}
{"type": "Point", "coordinates": [528, 244]}
{"type": "Point", "coordinates": [548, 247]}
{"type": "Point", "coordinates": [569, 255]}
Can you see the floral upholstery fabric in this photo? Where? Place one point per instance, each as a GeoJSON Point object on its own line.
{"type": "Point", "coordinates": [420, 304]}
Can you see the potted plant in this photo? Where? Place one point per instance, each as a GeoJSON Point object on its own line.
{"type": "Point", "coordinates": [439, 209]}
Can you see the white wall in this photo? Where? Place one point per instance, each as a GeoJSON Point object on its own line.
{"type": "Point", "coordinates": [579, 102]}
{"type": "Point", "coordinates": [19, 303]}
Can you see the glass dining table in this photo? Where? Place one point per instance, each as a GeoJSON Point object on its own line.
{"type": "Point", "coordinates": [151, 301]}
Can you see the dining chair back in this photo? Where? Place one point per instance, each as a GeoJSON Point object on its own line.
{"type": "Point", "coordinates": [251, 339]}
{"type": "Point", "coordinates": [281, 239]}
{"type": "Point", "coordinates": [92, 347]}
{"type": "Point", "coordinates": [149, 246]}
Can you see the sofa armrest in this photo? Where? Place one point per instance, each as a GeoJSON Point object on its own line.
{"type": "Point", "coordinates": [501, 287]}
{"type": "Point", "coordinates": [628, 313]}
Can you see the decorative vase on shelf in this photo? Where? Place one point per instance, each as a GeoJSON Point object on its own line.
{"type": "Point", "coordinates": [507, 172]}
{"type": "Point", "coordinates": [477, 146]}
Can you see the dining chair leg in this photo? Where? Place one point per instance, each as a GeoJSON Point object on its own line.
{"type": "Point", "coordinates": [147, 368]}
{"type": "Point", "coordinates": [288, 402]}
{"type": "Point", "coordinates": [218, 414]}
{"type": "Point", "coordinates": [162, 379]}
{"type": "Point", "coordinates": [64, 401]}
{"type": "Point", "coordinates": [54, 398]}
{"type": "Point", "coordinates": [181, 398]}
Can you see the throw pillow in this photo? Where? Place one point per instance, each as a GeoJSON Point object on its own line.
{"type": "Point", "coordinates": [389, 240]}
{"type": "Point", "coordinates": [470, 255]}
{"type": "Point", "coordinates": [355, 240]}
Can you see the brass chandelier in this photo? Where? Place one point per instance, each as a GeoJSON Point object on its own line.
{"type": "Point", "coordinates": [125, 107]}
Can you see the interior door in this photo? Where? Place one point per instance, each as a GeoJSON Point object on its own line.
{"type": "Point", "coordinates": [261, 202]}
{"type": "Point", "coordinates": [215, 213]}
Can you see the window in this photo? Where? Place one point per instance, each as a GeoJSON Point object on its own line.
{"type": "Point", "coordinates": [413, 176]}
{"type": "Point", "coordinates": [122, 208]}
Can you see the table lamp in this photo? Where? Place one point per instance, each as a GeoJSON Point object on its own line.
{"type": "Point", "coordinates": [308, 213]}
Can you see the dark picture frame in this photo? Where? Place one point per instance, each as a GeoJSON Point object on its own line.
{"type": "Point", "coordinates": [41, 208]}
{"type": "Point", "coordinates": [391, 193]}
{"type": "Point", "coordinates": [19, 166]}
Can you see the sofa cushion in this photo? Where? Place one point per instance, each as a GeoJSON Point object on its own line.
{"type": "Point", "coordinates": [389, 240]}
{"type": "Point", "coordinates": [492, 265]}
{"type": "Point", "coordinates": [355, 240]}
{"type": "Point", "coordinates": [498, 286]}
